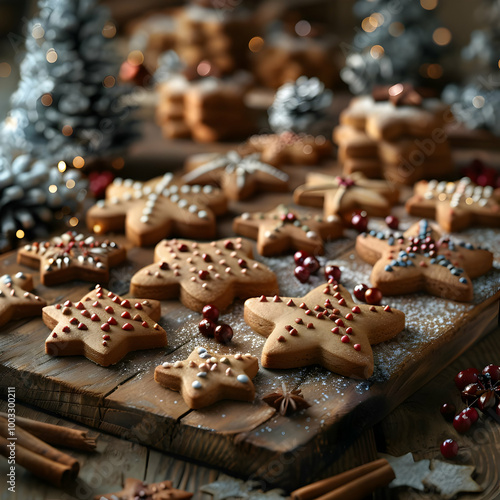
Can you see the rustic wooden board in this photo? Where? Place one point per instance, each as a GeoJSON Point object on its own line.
{"type": "Point", "coordinates": [250, 440]}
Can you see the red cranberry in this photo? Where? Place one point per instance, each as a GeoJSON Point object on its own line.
{"type": "Point", "coordinates": [462, 422]}
{"type": "Point", "coordinates": [290, 217]}
{"type": "Point", "coordinates": [373, 296]}
{"type": "Point", "coordinates": [223, 333]}
{"type": "Point", "coordinates": [493, 371]}
{"type": "Point", "coordinates": [182, 247]}
{"type": "Point", "coordinates": [448, 411]}
{"type": "Point", "coordinates": [360, 222]}
{"type": "Point", "coordinates": [359, 291]}
{"type": "Point", "coordinates": [469, 394]}
{"type": "Point", "coordinates": [210, 312]}
{"type": "Point", "coordinates": [486, 400]}
{"type": "Point", "coordinates": [207, 328]}
{"type": "Point", "coordinates": [311, 263]}
{"type": "Point", "coordinates": [466, 377]}
{"type": "Point", "coordinates": [449, 448]}
{"type": "Point", "coordinates": [302, 273]}
{"type": "Point", "coordinates": [299, 257]}
{"type": "Point", "coordinates": [203, 274]}
{"type": "Point", "coordinates": [472, 414]}
{"type": "Point", "coordinates": [332, 272]}
{"type": "Point", "coordinates": [392, 222]}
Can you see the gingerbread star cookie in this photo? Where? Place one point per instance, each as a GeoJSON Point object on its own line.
{"type": "Point", "coordinates": [282, 229]}
{"type": "Point", "coordinates": [422, 259]}
{"type": "Point", "coordinates": [239, 176]}
{"type": "Point", "coordinates": [204, 273]}
{"type": "Point", "coordinates": [103, 327]}
{"type": "Point", "coordinates": [456, 205]}
{"type": "Point", "coordinates": [135, 489]}
{"type": "Point", "coordinates": [72, 256]}
{"type": "Point", "coordinates": [325, 327]}
{"type": "Point", "coordinates": [16, 301]}
{"type": "Point", "coordinates": [156, 209]}
{"type": "Point", "coordinates": [205, 378]}
{"type": "Point", "coordinates": [343, 195]}
{"type": "Point", "coordinates": [289, 148]}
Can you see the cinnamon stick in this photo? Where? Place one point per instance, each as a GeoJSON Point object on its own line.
{"type": "Point", "coordinates": [55, 473]}
{"type": "Point", "coordinates": [37, 446]}
{"type": "Point", "coordinates": [315, 490]}
{"type": "Point", "coordinates": [358, 488]}
{"type": "Point", "coordinates": [56, 435]}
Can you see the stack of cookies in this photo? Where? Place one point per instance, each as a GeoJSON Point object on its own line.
{"type": "Point", "coordinates": [208, 109]}
{"type": "Point", "coordinates": [395, 134]}
{"type": "Point", "coordinates": [219, 36]}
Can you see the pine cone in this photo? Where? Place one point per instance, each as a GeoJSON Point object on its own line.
{"type": "Point", "coordinates": [31, 193]}
{"type": "Point", "coordinates": [298, 106]}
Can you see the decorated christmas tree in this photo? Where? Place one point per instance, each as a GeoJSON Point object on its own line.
{"type": "Point", "coordinates": [477, 104]}
{"type": "Point", "coordinates": [68, 103]}
{"type": "Point", "coordinates": [400, 41]}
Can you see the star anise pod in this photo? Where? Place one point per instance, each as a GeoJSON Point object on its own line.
{"type": "Point", "coordinates": [285, 401]}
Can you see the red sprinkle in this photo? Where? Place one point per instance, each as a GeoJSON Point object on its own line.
{"type": "Point", "coordinates": [86, 313]}
{"type": "Point", "coordinates": [96, 304]}
{"type": "Point", "coordinates": [356, 310]}
{"type": "Point", "coordinates": [228, 245]}
{"type": "Point", "coordinates": [109, 309]}
{"type": "Point", "coordinates": [112, 321]}
{"type": "Point", "coordinates": [328, 304]}
{"type": "Point", "coordinates": [387, 308]}
{"type": "Point", "coordinates": [262, 299]}
{"type": "Point", "coordinates": [339, 322]}
{"type": "Point", "coordinates": [125, 315]}
{"type": "Point", "coordinates": [73, 321]}
{"type": "Point", "coordinates": [80, 306]}
{"type": "Point", "coordinates": [288, 327]}
{"type": "Point", "coordinates": [127, 326]}
{"type": "Point", "coordinates": [54, 335]}
{"type": "Point", "coordinates": [335, 329]}
{"type": "Point", "coordinates": [144, 324]}
{"type": "Point", "coordinates": [138, 305]}
{"type": "Point", "coordinates": [348, 316]}
{"type": "Point", "coordinates": [357, 347]}
{"type": "Point", "coordinates": [326, 291]}
{"type": "Point", "coordinates": [66, 329]}
{"type": "Point", "coordinates": [94, 317]}
{"type": "Point", "coordinates": [298, 321]}
{"type": "Point", "coordinates": [116, 299]}
{"type": "Point", "coordinates": [105, 327]}
{"type": "Point", "coordinates": [182, 247]}
{"type": "Point", "coordinates": [310, 326]}
{"type": "Point", "coordinates": [106, 337]}
{"type": "Point", "coordinates": [276, 298]}
{"type": "Point", "coordinates": [104, 343]}
{"type": "Point", "coordinates": [303, 306]}
{"type": "Point", "coordinates": [320, 315]}
{"type": "Point", "coordinates": [82, 326]}
{"type": "Point", "coordinates": [342, 301]}
{"type": "Point", "coordinates": [203, 274]}
{"type": "Point", "coordinates": [294, 332]}
{"type": "Point", "coordinates": [348, 330]}
{"type": "Point", "coordinates": [58, 306]}
{"type": "Point", "coordinates": [281, 338]}
{"type": "Point", "coordinates": [373, 309]}
{"type": "Point", "coordinates": [68, 303]}
{"type": "Point", "coordinates": [309, 312]}
{"type": "Point", "coordinates": [345, 339]}
{"type": "Point", "coordinates": [125, 303]}
{"type": "Point", "coordinates": [290, 303]}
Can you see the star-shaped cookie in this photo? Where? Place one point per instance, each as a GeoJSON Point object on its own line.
{"type": "Point", "coordinates": [289, 148]}
{"type": "Point", "coordinates": [103, 327]}
{"type": "Point", "coordinates": [423, 260]}
{"type": "Point", "coordinates": [451, 479]}
{"type": "Point", "coordinates": [72, 256]}
{"type": "Point", "coordinates": [135, 489]}
{"type": "Point", "coordinates": [240, 177]}
{"type": "Point", "coordinates": [282, 229]}
{"type": "Point", "coordinates": [16, 302]}
{"type": "Point", "coordinates": [456, 205]}
{"type": "Point", "coordinates": [324, 327]}
{"type": "Point", "coordinates": [408, 472]}
{"type": "Point", "coordinates": [204, 273]}
{"type": "Point", "coordinates": [205, 378]}
{"type": "Point", "coordinates": [343, 195]}
{"type": "Point", "coordinates": [156, 209]}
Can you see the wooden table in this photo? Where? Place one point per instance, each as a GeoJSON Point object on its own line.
{"type": "Point", "coordinates": [153, 465]}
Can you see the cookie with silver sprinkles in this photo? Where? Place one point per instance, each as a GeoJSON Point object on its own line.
{"type": "Point", "coordinates": [205, 378]}
{"type": "Point", "coordinates": [423, 259]}
{"type": "Point", "coordinates": [16, 301]}
{"type": "Point", "coordinates": [72, 256]}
